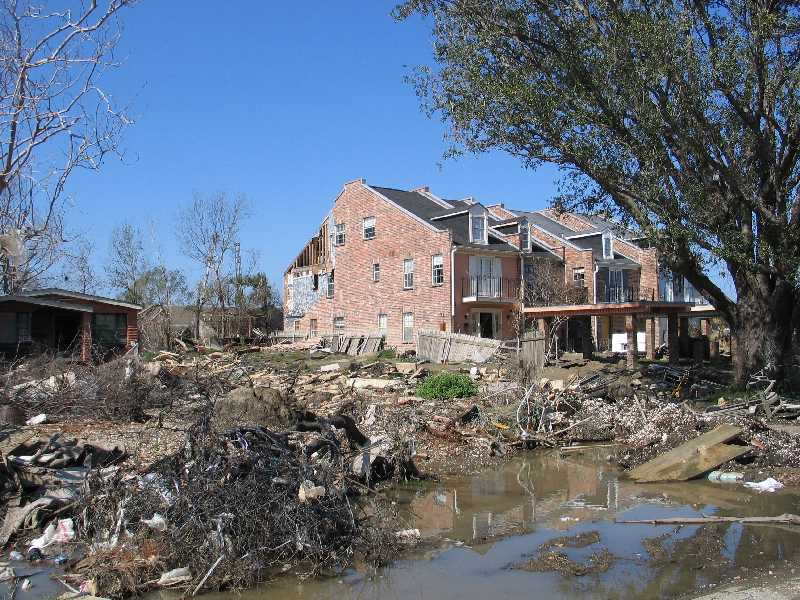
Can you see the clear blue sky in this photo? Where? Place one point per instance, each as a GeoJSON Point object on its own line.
{"type": "Point", "coordinates": [281, 102]}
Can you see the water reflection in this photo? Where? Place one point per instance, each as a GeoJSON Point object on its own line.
{"type": "Point", "coordinates": [503, 515]}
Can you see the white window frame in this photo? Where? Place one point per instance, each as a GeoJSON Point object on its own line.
{"type": "Point", "coordinates": [383, 323]}
{"type": "Point", "coordinates": [338, 323]}
{"type": "Point", "coordinates": [408, 328]}
{"type": "Point", "coordinates": [524, 235]}
{"type": "Point", "coordinates": [610, 238]}
{"type": "Point", "coordinates": [339, 234]}
{"type": "Point", "coordinates": [408, 274]}
{"type": "Point", "coordinates": [330, 286]}
{"type": "Point", "coordinates": [365, 229]}
{"type": "Point", "coordinates": [376, 272]}
{"type": "Point", "coordinates": [313, 328]}
{"type": "Point", "coordinates": [437, 268]}
{"type": "Point", "coordinates": [579, 271]}
{"type": "Point", "coordinates": [485, 238]}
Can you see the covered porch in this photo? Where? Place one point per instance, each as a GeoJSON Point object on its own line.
{"type": "Point", "coordinates": [641, 320]}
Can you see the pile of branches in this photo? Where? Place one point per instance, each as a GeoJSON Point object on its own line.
{"type": "Point", "coordinates": [120, 390]}
{"type": "Point", "coordinates": [231, 510]}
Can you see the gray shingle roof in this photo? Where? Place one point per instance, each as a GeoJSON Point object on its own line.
{"type": "Point", "coordinates": [454, 218]}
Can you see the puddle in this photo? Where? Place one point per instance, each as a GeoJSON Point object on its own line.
{"type": "Point", "coordinates": [478, 529]}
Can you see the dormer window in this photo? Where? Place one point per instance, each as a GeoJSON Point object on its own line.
{"type": "Point", "coordinates": [477, 229]}
{"type": "Point", "coordinates": [608, 245]}
{"type": "Point", "coordinates": [524, 236]}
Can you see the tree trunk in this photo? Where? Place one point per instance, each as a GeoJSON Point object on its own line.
{"type": "Point", "coordinates": [762, 330]}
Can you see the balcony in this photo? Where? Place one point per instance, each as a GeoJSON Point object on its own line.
{"type": "Point", "coordinates": [619, 294]}
{"type": "Point", "coordinates": [486, 288]}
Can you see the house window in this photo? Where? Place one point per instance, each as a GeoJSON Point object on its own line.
{"type": "Point", "coordinates": [24, 327]}
{"type": "Point", "coordinates": [578, 277]}
{"type": "Point", "coordinates": [339, 235]}
{"type": "Point", "coordinates": [369, 228]}
{"type": "Point", "coordinates": [408, 327]}
{"type": "Point", "coordinates": [316, 282]}
{"type": "Point", "coordinates": [329, 291]}
{"type": "Point", "coordinates": [383, 323]}
{"type": "Point", "coordinates": [109, 330]}
{"type": "Point", "coordinates": [608, 246]}
{"type": "Point", "coordinates": [524, 236]}
{"type": "Point", "coordinates": [338, 323]}
{"type": "Point", "coordinates": [437, 270]}
{"type": "Point", "coordinates": [297, 325]}
{"type": "Point", "coordinates": [478, 229]}
{"type": "Point", "coordinates": [313, 330]}
{"type": "Point", "coordinates": [408, 273]}
{"type": "Point", "coordinates": [376, 272]}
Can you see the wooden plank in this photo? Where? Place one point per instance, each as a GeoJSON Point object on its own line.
{"type": "Point", "coordinates": [693, 458]}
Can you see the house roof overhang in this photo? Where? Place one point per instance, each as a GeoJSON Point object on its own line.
{"type": "Point", "coordinates": [59, 295]}
{"type": "Point", "coordinates": [47, 303]}
{"type": "Point", "coordinates": [646, 308]}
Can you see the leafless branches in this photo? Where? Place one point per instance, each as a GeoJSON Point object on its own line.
{"type": "Point", "coordinates": [54, 117]}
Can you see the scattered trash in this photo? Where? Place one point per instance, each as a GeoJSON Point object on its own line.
{"type": "Point", "coordinates": [768, 485]}
{"type": "Point", "coordinates": [14, 555]}
{"type": "Point", "coordinates": [60, 533]}
{"type": "Point", "coordinates": [37, 420]}
{"type": "Point", "coordinates": [308, 491]}
{"type": "Point", "coordinates": [724, 476]}
{"type": "Point", "coordinates": [408, 535]}
{"type": "Point", "coordinates": [174, 577]}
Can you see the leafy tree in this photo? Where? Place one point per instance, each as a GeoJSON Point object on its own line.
{"type": "Point", "coordinates": [679, 116]}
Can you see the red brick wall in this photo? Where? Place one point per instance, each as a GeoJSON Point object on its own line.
{"type": "Point", "coordinates": [500, 212]}
{"type": "Point", "coordinates": [647, 257]}
{"type": "Point", "coordinates": [580, 258]}
{"type": "Point", "coordinates": [571, 220]}
{"type": "Point", "coordinates": [398, 236]}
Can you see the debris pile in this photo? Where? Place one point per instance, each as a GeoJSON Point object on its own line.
{"type": "Point", "coordinates": [231, 509]}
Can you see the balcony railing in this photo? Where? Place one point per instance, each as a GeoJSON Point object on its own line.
{"type": "Point", "coordinates": [623, 293]}
{"type": "Point", "coordinates": [483, 287]}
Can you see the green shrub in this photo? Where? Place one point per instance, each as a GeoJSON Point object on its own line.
{"type": "Point", "coordinates": [446, 385]}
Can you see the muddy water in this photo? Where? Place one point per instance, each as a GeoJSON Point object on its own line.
{"type": "Point", "coordinates": [478, 527]}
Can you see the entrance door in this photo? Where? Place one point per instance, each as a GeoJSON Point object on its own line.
{"type": "Point", "coordinates": [486, 322]}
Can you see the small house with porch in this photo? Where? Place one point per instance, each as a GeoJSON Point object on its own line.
{"type": "Point", "coordinates": [67, 323]}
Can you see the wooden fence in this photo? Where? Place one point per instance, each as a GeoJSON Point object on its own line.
{"type": "Point", "coordinates": [532, 354]}
{"type": "Point", "coordinates": [354, 343]}
{"type": "Point", "coordinates": [441, 347]}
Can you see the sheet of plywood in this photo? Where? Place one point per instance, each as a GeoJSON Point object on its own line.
{"type": "Point", "coordinates": [693, 458]}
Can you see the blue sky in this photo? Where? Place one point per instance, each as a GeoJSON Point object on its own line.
{"type": "Point", "coordinates": [283, 103]}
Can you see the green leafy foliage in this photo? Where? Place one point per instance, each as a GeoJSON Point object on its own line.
{"type": "Point", "coordinates": [444, 386]}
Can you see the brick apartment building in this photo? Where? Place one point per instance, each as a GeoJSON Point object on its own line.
{"type": "Point", "coordinates": [400, 261]}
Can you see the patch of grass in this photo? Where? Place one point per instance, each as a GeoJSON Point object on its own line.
{"type": "Point", "coordinates": [444, 386]}
{"type": "Point", "coordinates": [387, 353]}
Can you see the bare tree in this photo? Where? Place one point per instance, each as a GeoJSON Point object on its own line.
{"type": "Point", "coordinates": [54, 118]}
{"type": "Point", "coordinates": [208, 229]}
{"type": "Point", "coordinates": [80, 274]}
{"type": "Point", "coordinates": [128, 263]}
{"type": "Point", "coordinates": [547, 285]}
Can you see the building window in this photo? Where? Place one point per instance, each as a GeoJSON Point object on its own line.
{"type": "Point", "coordinates": [109, 330]}
{"type": "Point", "coordinates": [478, 229]}
{"type": "Point", "coordinates": [369, 228]}
{"type": "Point", "coordinates": [524, 236]}
{"type": "Point", "coordinates": [383, 323]}
{"type": "Point", "coordinates": [313, 330]}
{"type": "Point", "coordinates": [578, 277]}
{"type": "Point", "coordinates": [408, 273]}
{"type": "Point", "coordinates": [297, 325]}
{"type": "Point", "coordinates": [316, 282]}
{"type": "Point", "coordinates": [608, 245]}
{"type": "Point", "coordinates": [338, 323]}
{"type": "Point", "coordinates": [24, 320]}
{"type": "Point", "coordinates": [339, 235]}
{"type": "Point", "coordinates": [437, 270]}
{"type": "Point", "coordinates": [329, 290]}
{"type": "Point", "coordinates": [408, 327]}
{"type": "Point", "coordinates": [376, 272]}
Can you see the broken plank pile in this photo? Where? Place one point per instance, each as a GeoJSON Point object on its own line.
{"type": "Point", "coordinates": [354, 344]}
{"type": "Point", "coordinates": [692, 459]}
